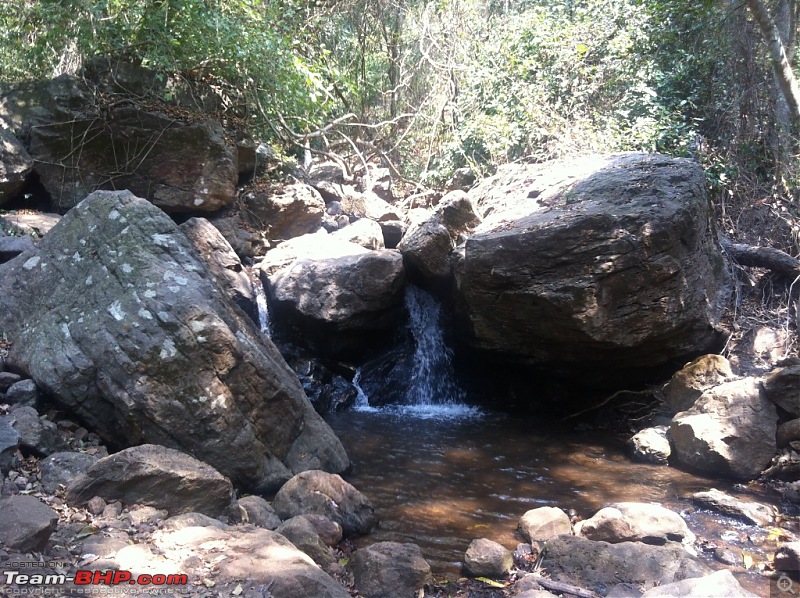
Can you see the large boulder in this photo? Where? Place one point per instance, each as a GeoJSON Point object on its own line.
{"type": "Point", "coordinates": [686, 385]}
{"type": "Point", "coordinates": [608, 263]}
{"type": "Point", "coordinates": [78, 147]}
{"type": "Point", "coordinates": [720, 584]}
{"type": "Point", "coordinates": [295, 211]}
{"type": "Point", "coordinates": [390, 570]}
{"type": "Point", "coordinates": [321, 493]}
{"type": "Point", "coordinates": [116, 317]}
{"type": "Point", "coordinates": [26, 524]}
{"type": "Point", "coordinates": [156, 476]}
{"type": "Point", "coordinates": [15, 166]}
{"type": "Point", "coordinates": [780, 387]}
{"type": "Point", "coordinates": [730, 431]}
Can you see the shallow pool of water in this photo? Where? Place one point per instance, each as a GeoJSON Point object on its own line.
{"type": "Point", "coordinates": [442, 479]}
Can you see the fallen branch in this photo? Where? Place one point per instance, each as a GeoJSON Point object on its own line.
{"type": "Point", "coordinates": [762, 257]}
{"type": "Point", "coordinates": [564, 588]}
{"type": "Point", "coordinates": [608, 400]}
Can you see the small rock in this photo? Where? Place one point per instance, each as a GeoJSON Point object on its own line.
{"type": "Point", "coordinates": [720, 584]}
{"type": "Point", "coordinates": [390, 570]}
{"type": "Point", "coordinates": [728, 555]}
{"type": "Point", "coordinates": [26, 524]}
{"type": "Point", "coordinates": [39, 436]}
{"type": "Point", "coordinates": [748, 511]}
{"type": "Point", "coordinates": [487, 558]}
{"type": "Point", "coordinates": [24, 392]}
{"type": "Point", "coordinates": [140, 515]}
{"type": "Point", "coordinates": [9, 441]}
{"type": "Point", "coordinates": [329, 531]}
{"type": "Point", "coordinates": [7, 379]}
{"type": "Point", "coordinates": [544, 523]}
{"type": "Point", "coordinates": [96, 505]}
{"type": "Point", "coordinates": [112, 510]}
{"type": "Point", "coordinates": [652, 445]}
{"type": "Point", "coordinates": [259, 512]}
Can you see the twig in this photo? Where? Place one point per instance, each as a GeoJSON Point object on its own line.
{"type": "Point", "coordinates": [564, 588]}
{"type": "Point", "coordinates": [608, 400]}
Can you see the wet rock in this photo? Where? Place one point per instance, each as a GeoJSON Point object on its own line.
{"type": "Point", "coordinates": [327, 391]}
{"type": "Point", "coordinates": [635, 522]}
{"type": "Point", "coordinates": [426, 247]}
{"type": "Point", "coordinates": [26, 524]}
{"type": "Point", "coordinates": [155, 351]}
{"type": "Point", "coordinates": [223, 263]}
{"type": "Point", "coordinates": [730, 431]}
{"type": "Point", "coordinates": [329, 495]}
{"type": "Point", "coordinates": [788, 432]}
{"type": "Point", "coordinates": [487, 558]}
{"type": "Point", "coordinates": [15, 166]}
{"type": "Point", "coordinates": [597, 566]}
{"type": "Point", "coordinates": [720, 584]}
{"type": "Point", "coordinates": [59, 469]}
{"type": "Point", "coordinates": [728, 555]}
{"type": "Point", "coordinates": [748, 511]}
{"type": "Point", "coordinates": [390, 570]}
{"type": "Point", "coordinates": [155, 476]}
{"type": "Point", "coordinates": [651, 445]}
{"type": "Point", "coordinates": [603, 260]}
{"type": "Point", "coordinates": [24, 392]}
{"type": "Point", "coordinates": [302, 534]}
{"type": "Point", "coordinates": [258, 512]}
{"type": "Point", "coordinates": [787, 558]}
{"type": "Point", "coordinates": [544, 523]}
{"type": "Point", "coordinates": [296, 210]}
{"type": "Point", "coordinates": [780, 387]}
{"type": "Point", "coordinates": [686, 386]}
{"type": "Point", "coordinates": [36, 435]}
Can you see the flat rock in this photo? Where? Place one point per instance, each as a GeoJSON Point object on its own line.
{"type": "Point", "coordinates": [544, 523]}
{"type": "Point", "coordinates": [635, 522]}
{"type": "Point", "coordinates": [720, 584]}
{"type": "Point", "coordinates": [389, 570]}
{"type": "Point", "coordinates": [26, 524]}
{"type": "Point", "coordinates": [748, 511]}
{"type": "Point", "coordinates": [597, 566]}
{"type": "Point", "coordinates": [730, 431]}
{"type": "Point", "coordinates": [185, 520]}
{"type": "Point", "coordinates": [155, 476]}
{"type": "Point", "coordinates": [329, 495]}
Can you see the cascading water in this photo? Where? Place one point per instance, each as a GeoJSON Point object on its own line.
{"type": "Point", "coordinates": [263, 308]}
{"type": "Point", "coordinates": [432, 389]}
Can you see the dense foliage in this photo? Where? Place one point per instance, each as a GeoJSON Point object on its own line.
{"type": "Point", "coordinates": [431, 86]}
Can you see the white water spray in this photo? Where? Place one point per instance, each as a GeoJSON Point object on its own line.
{"type": "Point", "coordinates": [263, 308]}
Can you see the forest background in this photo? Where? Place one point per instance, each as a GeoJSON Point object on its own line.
{"type": "Point", "coordinates": [429, 87]}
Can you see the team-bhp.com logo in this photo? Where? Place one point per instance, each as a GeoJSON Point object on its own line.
{"type": "Point", "coordinates": [94, 578]}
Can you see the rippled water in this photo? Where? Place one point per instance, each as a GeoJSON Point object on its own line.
{"type": "Point", "coordinates": [442, 479]}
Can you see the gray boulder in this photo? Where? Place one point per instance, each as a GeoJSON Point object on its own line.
{"type": "Point", "coordinates": [223, 263]}
{"type": "Point", "coordinates": [487, 558]}
{"type": "Point", "coordinates": [651, 445]}
{"type": "Point", "coordinates": [295, 211]}
{"type": "Point", "coordinates": [426, 247]}
{"type": "Point", "coordinates": [607, 262]}
{"type": "Point", "coordinates": [635, 522]}
{"type": "Point", "coordinates": [720, 584]}
{"type": "Point", "coordinates": [746, 510]}
{"type": "Point", "coordinates": [258, 511]}
{"type": "Point", "coordinates": [300, 532]}
{"type": "Point", "coordinates": [780, 387]}
{"type": "Point", "coordinates": [329, 495]}
{"type": "Point", "coordinates": [36, 434]}
{"type": "Point", "coordinates": [24, 392]}
{"type": "Point", "coordinates": [364, 232]}
{"type": "Point", "coordinates": [15, 166]}
{"type": "Point", "coordinates": [8, 379]}
{"type": "Point", "coordinates": [9, 443]}
{"type": "Point", "coordinates": [26, 524]}
{"type": "Point", "coordinates": [329, 531]}
{"type": "Point", "coordinates": [178, 165]}
{"type": "Point", "coordinates": [598, 566]}
{"type": "Point", "coordinates": [11, 247]}
{"type": "Point", "coordinates": [686, 386]}
{"type": "Point", "coordinates": [155, 476]}
{"type": "Point", "coordinates": [788, 432]}
{"type": "Point", "coordinates": [59, 469]}
{"type": "Point", "coordinates": [115, 315]}
{"type": "Point", "coordinates": [390, 570]}
{"type": "Point", "coordinates": [730, 431]}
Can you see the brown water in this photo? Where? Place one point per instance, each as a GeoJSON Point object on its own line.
{"type": "Point", "coordinates": [442, 482]}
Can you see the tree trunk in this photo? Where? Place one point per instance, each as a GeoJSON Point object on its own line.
{"type": "Point", "coordinates": [778, 56]}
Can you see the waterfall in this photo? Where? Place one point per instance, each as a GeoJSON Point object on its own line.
{"type": "Point", "coordinates": [263, 308]}
{"type": "Point", "coordinates": [432, 378]}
